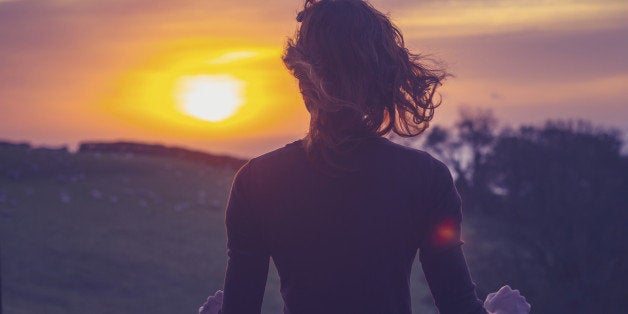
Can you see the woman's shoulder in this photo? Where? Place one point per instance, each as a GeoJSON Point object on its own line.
{"type": "Point", "coordinates": [412, 154]}
{"type": "Point", "coordinates": [381, 150]}
{"type": "Point", "coordinates": [280, 153]}
{"type": "Point", "coordinates": [277, 157]}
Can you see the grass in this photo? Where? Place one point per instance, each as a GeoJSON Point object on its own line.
{"type": "Point", "coordinates": [117, 233]}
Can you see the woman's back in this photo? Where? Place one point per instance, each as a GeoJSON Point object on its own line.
{"type": "Point", "coordinates": [346, 244]}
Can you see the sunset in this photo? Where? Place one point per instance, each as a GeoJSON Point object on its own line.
{"type": "Point", "coordinates": [225, 96]}
{"type": "Point", "coordinates": [126, 124]}
{"type": "Point", "coordinates": [210, 98]}
{"type": "Point", "coordinates": [109, 70]}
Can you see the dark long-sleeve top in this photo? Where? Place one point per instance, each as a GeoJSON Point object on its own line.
{"type": "Point", "coordinates": [346, 244]}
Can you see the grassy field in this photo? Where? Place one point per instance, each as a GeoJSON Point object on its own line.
{"type": "Point", "coordinates": [117, 233]}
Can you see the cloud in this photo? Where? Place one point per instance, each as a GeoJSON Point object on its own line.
{"type": "Point", "coordinates": [469, 18]}
{"type": "Point", "coordinates": [61, 45]}
{"type": "Point", "coordinates": [533, 56]}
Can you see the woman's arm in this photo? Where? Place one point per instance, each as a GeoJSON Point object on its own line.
{"type": "Point", "coordinates": [451, 285]}
{"type": "Point", "coordinates": [248, 258]}
{"type": "Point", "coordinates": [440, 253]}
{"type": "Point", "coordinates": [245, 282]}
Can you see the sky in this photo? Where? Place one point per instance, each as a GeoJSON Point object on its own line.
{"type": "Point", "coordinates": [78, 70]}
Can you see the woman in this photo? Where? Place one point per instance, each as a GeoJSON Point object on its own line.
{"type": "Point", "coordinates": [344, 211]}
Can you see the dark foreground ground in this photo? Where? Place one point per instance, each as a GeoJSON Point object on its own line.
{"type": "Point", "coordinates": [117, 233]}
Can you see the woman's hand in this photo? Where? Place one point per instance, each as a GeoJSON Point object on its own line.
{"type": "Point", "coordinates": [212, 305]}
{"type": "Point", "coordinates": [506, 301]}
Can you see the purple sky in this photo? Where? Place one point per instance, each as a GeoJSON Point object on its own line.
{"type": "Point", "coordinates": [62, 63]}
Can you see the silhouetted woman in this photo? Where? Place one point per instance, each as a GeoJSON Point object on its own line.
{"type": "Point", "coordinates": [344, 211]}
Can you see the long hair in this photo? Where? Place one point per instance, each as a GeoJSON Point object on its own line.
{"type": "Point", "coordinates": [357, 78]}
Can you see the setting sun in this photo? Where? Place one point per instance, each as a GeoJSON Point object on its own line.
{"type": "Point", "coordinates": [209, 97]}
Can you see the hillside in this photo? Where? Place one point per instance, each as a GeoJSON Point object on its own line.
{"type": "Point", "coordinates": [114, 230]}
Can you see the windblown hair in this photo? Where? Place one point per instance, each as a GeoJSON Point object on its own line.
{"type": "Point", "coordinates": [357, 78]}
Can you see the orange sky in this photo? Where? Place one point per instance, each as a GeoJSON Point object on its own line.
{"type": "Point", "coordinates": [74, 70]}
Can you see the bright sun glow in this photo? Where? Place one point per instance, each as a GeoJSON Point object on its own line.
{"type": "Point", "coordinates": [209, 97]}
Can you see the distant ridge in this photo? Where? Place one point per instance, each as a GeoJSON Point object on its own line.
{"type": "Point", "coordinates": [20, 145]}
{"type": "Point", "coordinates": [160, 150]}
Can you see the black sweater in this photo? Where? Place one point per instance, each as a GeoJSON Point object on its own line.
{"type": "Point", "coordinates": [346, 244]}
